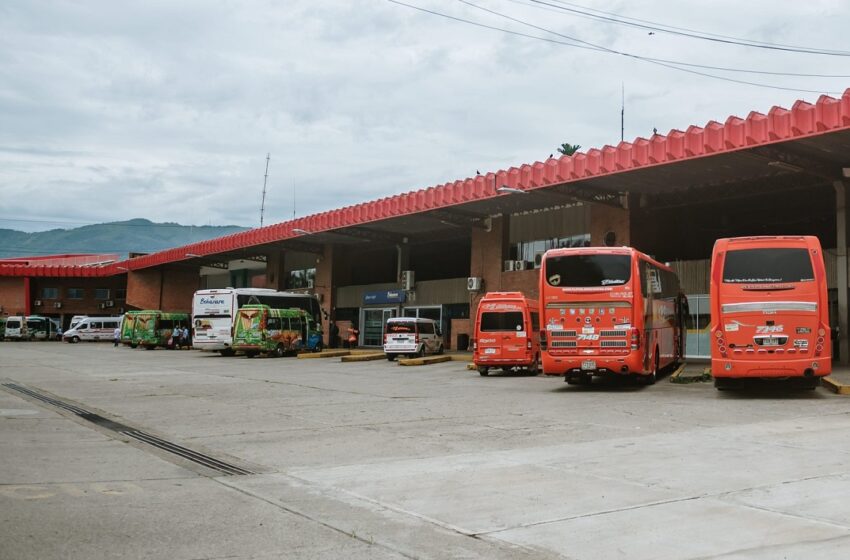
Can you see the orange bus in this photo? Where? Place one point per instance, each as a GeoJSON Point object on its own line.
{"type": "Point", "coordinates": [506, 333]}
{"type": "Point", "coordinates": [609, 311]}
{"type": "Point", "coordinates": [769, 312]}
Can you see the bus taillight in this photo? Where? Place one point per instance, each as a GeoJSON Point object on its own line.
{"type": "Point", "coordinates": [635, 339]}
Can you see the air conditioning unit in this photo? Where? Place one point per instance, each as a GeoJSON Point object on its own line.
{"type": "Point", "coordinates": [509, 265]}
{"type": "Point", "coordinates": [474, 284]}
{"type": "Point", "coordinates": [102, 306]}
{"type": "Point", "coordinates": [58, 305]}
{"type": "Point", "coordinates": [408, 280]}
{"type": "Point", "coordinates": [37, 302]}
{"type": "Point", "coordinates": [520, 265]}
{"type": "Point", "coordinates": [110, 303]}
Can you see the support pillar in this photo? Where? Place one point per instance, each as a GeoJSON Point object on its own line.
{"type": "Point", "coordinates": [841, 266]}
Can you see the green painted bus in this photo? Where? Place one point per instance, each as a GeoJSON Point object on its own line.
{"type": "Point", "coordinates": [2, 328]}
{"type": "Point", "coordinates": [152, 328]}
{"type": "Point", "coordinates": [128, 329]}
{"type": "Point", "coordinates": [276, 332]}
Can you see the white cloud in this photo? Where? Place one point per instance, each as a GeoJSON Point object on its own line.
{"type": "Point", "coordinates": [166, 110]}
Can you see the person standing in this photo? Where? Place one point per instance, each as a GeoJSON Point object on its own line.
{"type": "Point", "coordinates": [333, 335]}
{"type": "Point", "coordinates": [184, 337]}
{"type": "Point", "coordinates": [116, 337]}
{"type": "Point", "coordinates": [353, 335]}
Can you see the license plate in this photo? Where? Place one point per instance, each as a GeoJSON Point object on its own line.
{"type": "Point", "coordinates": [770, 341]}
{"type": "Point", "coordinates": [588, 365]}
{"type": "Point", "coordinates": [490, 350]}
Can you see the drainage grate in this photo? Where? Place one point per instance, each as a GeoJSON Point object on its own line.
{"type": "Point", "coordinates": [138, 435]}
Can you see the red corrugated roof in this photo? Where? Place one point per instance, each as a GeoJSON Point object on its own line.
{"type": "Point", "coordinates": [778, 125]}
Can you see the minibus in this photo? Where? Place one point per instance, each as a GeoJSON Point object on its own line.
{"type": "Point", "coordinates": [412, 336]}
{"type": "Point", "coordinates": [506, 333]}
{"type": "Point", "coordinates": [92, 329]}
{"type": "Point", "coordinates": [261, 329]}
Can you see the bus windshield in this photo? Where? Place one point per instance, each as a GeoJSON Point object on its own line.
{"type": "Point", "coordinates": [758, 266]}
{"type": "Point", "coordinates": [585, 271]}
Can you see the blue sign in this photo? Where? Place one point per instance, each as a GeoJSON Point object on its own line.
{"type": "Point", "coordinates": [389, 296]}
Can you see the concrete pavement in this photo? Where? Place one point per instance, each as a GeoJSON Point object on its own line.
{"type": "Point", "coordinates": [371, 460]}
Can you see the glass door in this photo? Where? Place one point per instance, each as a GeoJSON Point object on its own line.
{"type": "Point", "coordinates": [698, 337]}
{"type": "Point", "coordinates": [373, 321]}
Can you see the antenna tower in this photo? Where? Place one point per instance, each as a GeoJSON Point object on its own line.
{"type": "Point", "coordinates": [265, 180]}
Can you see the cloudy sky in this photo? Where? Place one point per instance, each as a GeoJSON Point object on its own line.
{"type": "Point", "coordinates": [166, 110]}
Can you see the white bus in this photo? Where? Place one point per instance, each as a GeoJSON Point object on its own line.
{"type": "Point", "coordinates": [213, 313]}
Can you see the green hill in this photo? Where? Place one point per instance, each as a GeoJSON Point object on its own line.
{"type": "Point", "coordinates": [137, 235]}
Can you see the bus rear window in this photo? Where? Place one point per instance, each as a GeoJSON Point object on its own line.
{"type": "Point", "coordinates": [758, 266]}
{"type": "Point", "coordinates": [586, 271]}
{"type": "Point", "coordinates": [401, 327]}
{"type": "Point", "coordinates": [507, 321]}
{"type": "Point", "coordinates": [13, 324]}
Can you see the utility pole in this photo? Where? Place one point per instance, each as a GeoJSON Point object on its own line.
{"type": "Point", "coordinates": [265, 180]}
{"type": "Point", "coordinates": [622, 111]}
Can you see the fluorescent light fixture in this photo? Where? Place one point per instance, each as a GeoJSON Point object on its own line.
{"type": "Point", "coordinates": [122, 268]}
{"type": "Point", "coordinates": [300, 231]}
{"type": "Point", "coordinates": [510, 190]}
{"type": "Point", "coordinates": [193, 255]}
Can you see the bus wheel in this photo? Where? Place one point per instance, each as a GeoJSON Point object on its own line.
{"type": "Point", "coordinates": [318, 348]}
{"type": "Point", "coordinates": [278, 351]}
{"type": "Point", "coordinates": [75, 339]}
{"type": "Point", "coordinates": [390, 357]}
{"type": "Point", "coordinates": [534, 368]}
{"type": "Point", "coordinates": [483, 371]}
{"type": "Point", "coordinates": [133, 345]}
{"type": "Point", "coordinates": [227, 352]}
{"type": "Point", "coordinates": [653, 376]}
{"type": "Point", "coordinates": [440, 350]}
{"type": "Point", "coordinates": [721, 383]}
{"type": "Point", "coordinates": [250, 354]}
{"type": "Point", "coordinates": [149, 347]}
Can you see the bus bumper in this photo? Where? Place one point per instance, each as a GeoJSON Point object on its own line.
{"type": "Point", "coordinates": [592, 364]}
{"type": "Point", "coordinates": [806, 367]}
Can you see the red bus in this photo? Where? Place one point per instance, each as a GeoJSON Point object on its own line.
{"type": "Point", "coordinates": [609, 311]}
{"type": "Point", "coordinates": [769, 312]}
{"type": "Point", "coordinates": [506, 333]}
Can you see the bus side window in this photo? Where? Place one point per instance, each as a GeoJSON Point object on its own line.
{"type": "Point", "coordinates": [273, 323]}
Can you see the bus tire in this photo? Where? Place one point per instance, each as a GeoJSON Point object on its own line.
{"type": "Point", "coordinates": [721, 383]}
{"type": "Point", "coordinates": [390, 357]}
{"type": "Point", "coordinates": [653, 375]}
{"type": "Point", "coordinates": [227, 352]}
{"type": "Point", "coordinates": [278, 351]}
{"type": "Point", "coordinates": [318, 348]}
{"type": "Point", "coordinates": [133, 345]}
{"type": "Point", "coordinates": [75, 339]}
{"type": "Point", "coordinates": [250, 354]}
{"type": "Point", "coordinates": [440, 350]}
{"type": "Point", "coordinates": [483, 371]}
{"type": "Point", "coordinates": [534, 368]}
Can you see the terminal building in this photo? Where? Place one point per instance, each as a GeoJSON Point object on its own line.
{"type": "Point", "coordinates": [434, 252]}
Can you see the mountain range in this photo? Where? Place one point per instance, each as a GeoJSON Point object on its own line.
{"type": "Point", "coordinates": [137, 235]}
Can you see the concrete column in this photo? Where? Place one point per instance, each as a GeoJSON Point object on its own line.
{"type": "Point", "coordinates": [275, 270]}
{"type": "Point", "coordinates": [402, 260]}
{"type": "Point", "coordinates": [323, 286]}
{"type": "Point", "coordinates": [841, 266]}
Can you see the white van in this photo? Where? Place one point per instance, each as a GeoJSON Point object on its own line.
{"type": "Point", "coordinates": [412, 336]}
{"type": "Point", "coordinates": [93, 328]}
{"type": "Point", "coordinates": [75, 320]}
{"type": "Point", "coordinates": [16, 327]}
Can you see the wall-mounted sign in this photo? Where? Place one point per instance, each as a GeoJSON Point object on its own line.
{"type": "Point", "coordinates": [387, 296]}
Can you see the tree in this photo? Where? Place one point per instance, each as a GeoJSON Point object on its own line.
{"type": "Point", "coordinates": [569, 149]}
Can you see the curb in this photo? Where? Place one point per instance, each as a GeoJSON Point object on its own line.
{"type": "Point", "coordinates": [425, 361]}
{"type": "Point", "coordinates": [362, 357]}
{"type": "Point", "coordinates": [835, 386]}
{"type": "Point", "coordinates": [323, 354]}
